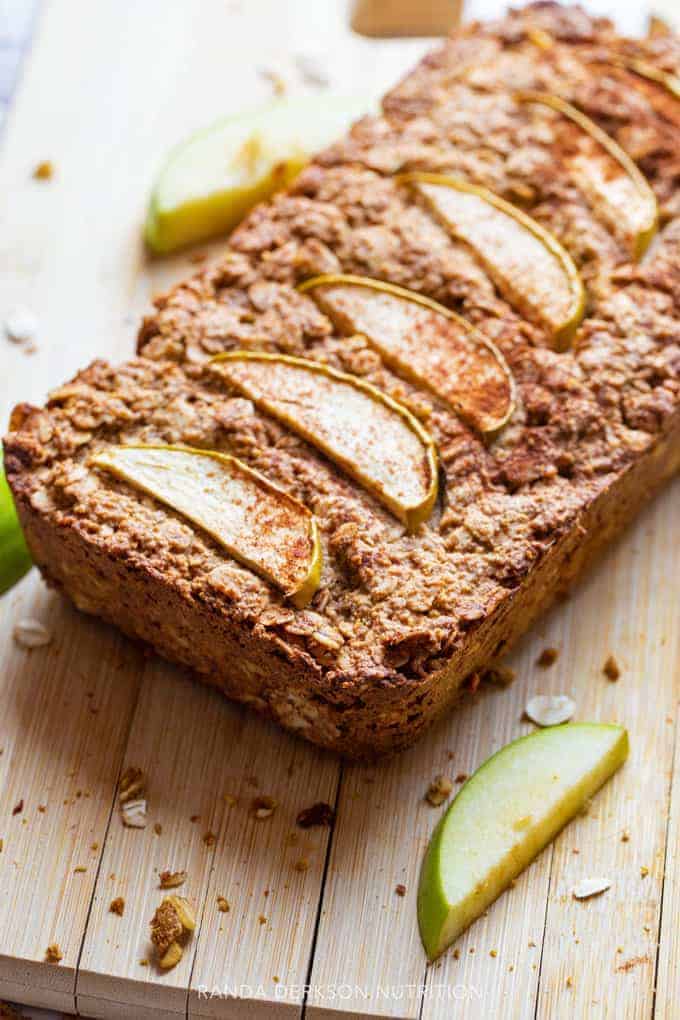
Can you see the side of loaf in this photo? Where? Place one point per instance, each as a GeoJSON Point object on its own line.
{"type": "Point", "coordinates": [401, 618]}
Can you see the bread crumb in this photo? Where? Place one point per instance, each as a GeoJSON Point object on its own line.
{"type": "Point", "coordinates": [173, 921]}
{"type": "Point", "coordinates": [644, 871]}
{"type": "Point", "coordinates": [438, 791]}
{"type": "Point", "coordinates": [132, 784]}
{"type": "Point", "coordinates": [44, 170]}
{"type": "Point", "coordinates": [493, 953]}
{"type": "Point", "coordinates": [611, 669]}
{"type": "Point", "coordinates": [171, 879]}
{"type": "Point", "coordinates": [569, 982]}
{"type": "Point", "coordinates": [18, 807]}
{"type": "Point", "coordinates": [53, 953]}
{"type": "Point", "coordinates": [262, 919]}
{"type": "Point", "coordinates": [316, 815]}
{"type": "Point", "coordinates": [547, 658]}
{"type": "Point", "coordinates": [262, 807]}
{"type": "Point", "coordinates": [456, 954]}
{"type": "Point", "coordinates": [629, 964]}
{"type": "Point", "coordinates": [79, 870]}
{"type": "Point", "coordinates": [117, 906]}
{"type": "Point", "coordinates": [223, 905]}
{"type": "Point", "coordinates": [302, 864]}
{"type": "Point", "coordinates": [400, 890]}
{"type": "Point", "coordinates": [143, 963]}
{"type": "Point", "coordinates": [209, 838]}
{"type": "Point", "coordinates": [157, 828]}
{"type": "Point", "coordinates": [462, 777]}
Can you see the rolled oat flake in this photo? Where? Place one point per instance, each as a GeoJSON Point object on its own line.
{"type": "Point", "coordinates": [30, 633]}
{"type": "Point", "coordinates": [550, 709]}
{"type": "Point", "coordinates": [588, 887]}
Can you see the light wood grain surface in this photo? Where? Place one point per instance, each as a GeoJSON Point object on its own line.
{"type": "Point", "coordinates": [107, 88]}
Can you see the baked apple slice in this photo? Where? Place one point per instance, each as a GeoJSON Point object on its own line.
{"type": "Point", "coordinates": [527, 264]}
{"type": "Point", "coordinates": [259, 524]}
{"type": "Point", "coordinates": [644, 69]}
{"type": "Point", "coordinates": [606, 175]}
{"type": "Point", "coordinates": [424, 342]}
{"type": "Point", "coordinates": [366, 433]}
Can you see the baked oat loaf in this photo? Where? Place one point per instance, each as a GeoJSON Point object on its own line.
{"type": "Point", "coordinates": [400, 619]}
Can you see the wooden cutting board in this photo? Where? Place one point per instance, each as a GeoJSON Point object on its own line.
{"type": "Point", "coordinates": [107, 89]}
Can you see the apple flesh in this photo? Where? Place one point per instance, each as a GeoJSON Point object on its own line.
{"type": "Point", "coordinates": [211, 180]}
{"type": "Point", "coordinates": [505, 814]}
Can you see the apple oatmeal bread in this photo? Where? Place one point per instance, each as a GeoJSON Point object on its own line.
{"type": "Point", "coordinates": [477, 271]}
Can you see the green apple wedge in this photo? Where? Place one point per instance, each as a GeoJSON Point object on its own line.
{"type": "Point", "coordinates": [15, 559]}
{"type": "Point", "coordinates": [211, 180]}
{"type": "Point", "coordinates": [504, 815]}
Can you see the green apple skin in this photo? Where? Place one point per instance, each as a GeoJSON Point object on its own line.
{"type": "Point", "coordinates": [504, 815]}
{"type": "Point", "coordinates": [211, 180]}
{"type": "Point", "coordinates": [15, 559]}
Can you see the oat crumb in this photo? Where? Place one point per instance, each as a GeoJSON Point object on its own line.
{"type": "Point", "coordinates": [209, 838]}
{"type": "Point", "coordinates": [547, 658]}
{"type": "Point", "coordinates": [316, 815]}
{"type": "Point", "coordinates": [262, 807]}
{"type": "Point", "coordinates": [18, 807]}
{"type": "Point", "coordinates": [456, 954]}
{"type": "Point", "coordinates": [493, 953]}
{"type": "Point", "coordinates": [262, 919]}
{"type": "Point", "coordinates": [625, 836]}
{"type": "Point", "coordinates": [302, 864]}
{"type": "Point", "coordinates": [644, 871]}
{"type": "Point", "coordinates": [611, 668]}
{"type": "Point", "coordinates": [569, 982]}
{"type": "Point", "coordinates": [157, 828]}
{"type": "Point", "coordinates": [53, 953]}
{"type": "Point", "coordinates": [117, 906]}
{"type": "Point", "coordinates": [132, 784]}
{"type": "Point", "coordinates": [223, 905]}
{"type": "Point", "coordinates": [44, 170]}
{"type": "Point", "coordinates": [171, 879]}
{"type": "Point", "coordinates": [439, 790]}
{"type": "Point", "coordinates": [79, 870]}
{"type": "Point", "coordinates": [173, 921]}
{"type": "Point", "coordinates": [400, 890]}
